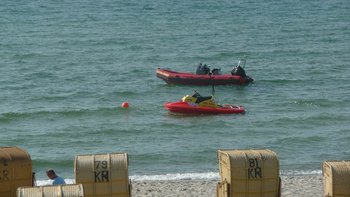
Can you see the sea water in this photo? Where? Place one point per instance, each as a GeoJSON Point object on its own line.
{"type": "Point", "coordinates": [66, 67]}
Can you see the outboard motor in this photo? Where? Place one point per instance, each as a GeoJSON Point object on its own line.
{"type": "Point", "coordinates": [239, 69]}
{"type": "Point", "coordinates": [202, 69]}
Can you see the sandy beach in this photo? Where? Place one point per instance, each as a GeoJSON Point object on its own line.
{"type": "Point", "coordinates": [292, 186]}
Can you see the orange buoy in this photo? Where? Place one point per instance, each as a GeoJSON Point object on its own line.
{"type": "Point", "coordinates": [125, 105]}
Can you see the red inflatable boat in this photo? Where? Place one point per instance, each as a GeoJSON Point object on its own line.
{"type": "Point", "coordinates": [182, 78]}
{"type": "Point", "coordinates": [206, 76]}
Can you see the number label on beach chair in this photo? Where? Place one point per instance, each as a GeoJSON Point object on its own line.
{"type": "Point", "coordinates": [4, 175]}
{"type": "Point", "coordinates": [101, 171]}
{"type": "Point", "coordinates": [254, 170]}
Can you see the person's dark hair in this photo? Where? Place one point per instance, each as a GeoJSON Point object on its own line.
{"type": "Point", "coordinates": [50, 171]}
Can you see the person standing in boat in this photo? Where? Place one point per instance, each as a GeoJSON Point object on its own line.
{"type": "Point", "coordinates": [57, 180]}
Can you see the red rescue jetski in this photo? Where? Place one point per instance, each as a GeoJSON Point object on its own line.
{"type": "Point", "coordinates": [197, 104]}
{"type": "Point", "coordinates": [206, 76]}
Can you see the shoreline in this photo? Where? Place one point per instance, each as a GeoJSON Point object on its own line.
{"type": "Point", "coordinates": [292, 185]}
{"type": "Point", "coordinates": [301, 185]}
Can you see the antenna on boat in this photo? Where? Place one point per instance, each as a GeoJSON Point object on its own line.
{"type": "Point", "coordinates": [212, 85]}
{"type": "Point", "coordinates": [242, 61]}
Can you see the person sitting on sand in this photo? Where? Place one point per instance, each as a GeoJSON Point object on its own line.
{"type": "Point", "coordinates": [53, 176]}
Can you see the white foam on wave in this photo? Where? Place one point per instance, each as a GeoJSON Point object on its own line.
{"type": "Point", "coordinates": [162, 177]}
{"type": "Point", "coordinates": [300, 172]}
{"type": "Point", "coordinates": [177, 176]}
{"type": "Point", "coordinates": [49, 182]}
{"type": "Point", "coordinates": [188, 176]}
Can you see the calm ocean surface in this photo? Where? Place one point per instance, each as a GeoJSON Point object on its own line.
{"type": "Point", "coordinates": [66, 67]}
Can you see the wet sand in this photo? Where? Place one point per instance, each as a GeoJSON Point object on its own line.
{"type": "Point", "coordinates": [292, 186]}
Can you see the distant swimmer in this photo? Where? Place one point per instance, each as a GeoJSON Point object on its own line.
{"type": "Point", "coordinates": [57, 180]}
